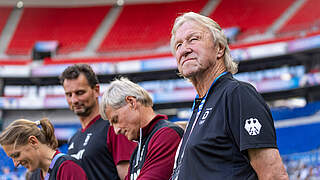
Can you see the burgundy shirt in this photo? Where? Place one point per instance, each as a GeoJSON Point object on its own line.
{"type": "Point", "coordinates": [161, 152]}
{"type": "Point", "coordinates": [69, 170]}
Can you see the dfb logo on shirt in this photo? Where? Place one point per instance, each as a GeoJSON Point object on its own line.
{"type": "Point", "coordinates": [205, 115]}
{"type": "Point", "coordinates": [252, 126]}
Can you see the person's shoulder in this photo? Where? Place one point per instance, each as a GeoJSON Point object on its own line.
{"type": "Point", "coordinates": [100, 125]}
{"type": "Point", "coordinates": [168, 133]}
{"type": "Point", "coordinates": [68, 162]}
{"type": "Point", "coordinates": [164, 138]}
{"type": "Point", "coordinates": [74, 136]}
{"type": "Point", "coordinates": [70, 169]}
{"type": "Point", "coordinates": [233, 85]}
{"type": "Point", "coordinates": [178, 129]}
{"type": "Point", "coordinates": [166, 125]}
{"type": "Point", "coordinates": [102, 121]}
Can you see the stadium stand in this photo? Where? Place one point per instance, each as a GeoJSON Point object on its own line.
{"type": "Point", "coordinates": [4, 14]}
{"type": "Point", "coordinates": [71, 27]}
{"type": "Point", "coordinates": [291, 140]}
{"type": "Point", "coordinates": [31, 89]}
{"type": "Point", "coordinates": [306, 19]}
{"type": "Point", "coordinates": [297, 128]}
{"type": "Point", "coordinates": [251, 16]}
{"type": "Point", "coordinates": [141, 26]}
{"type": "Point", "coordinates": [5, 161]}
{"type": "Point", "coordinates": [6, 62]}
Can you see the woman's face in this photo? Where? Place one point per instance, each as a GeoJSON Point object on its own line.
{"type": "Point", "coordinates": [25, 155]}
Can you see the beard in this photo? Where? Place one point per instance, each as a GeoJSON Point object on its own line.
{"type": "Point", "coordinates": [83, 112]}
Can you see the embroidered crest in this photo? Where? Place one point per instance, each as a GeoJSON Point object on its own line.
{"type": "Point", "coordinates": [252, 126]}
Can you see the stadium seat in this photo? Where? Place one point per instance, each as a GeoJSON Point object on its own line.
{"type": "Point", "coordinates": [306, 19]}
{"type": "Point", "coordinates": [71, 27]}
{"type": "Point", "coordinates": [251, 16]}
{"type": "Point", "coordinates": [146, 26]}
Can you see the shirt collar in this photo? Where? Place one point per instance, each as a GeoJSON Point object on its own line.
{"type": "Point", "coordinates": [147, 129]}
{"type": "Point", "coordinates": [91, 122]}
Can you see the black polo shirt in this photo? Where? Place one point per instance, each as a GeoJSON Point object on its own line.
{"type": "Point", "coordinates": [234, 118]}
{"type": "Point", "coordinates": [89, 146]}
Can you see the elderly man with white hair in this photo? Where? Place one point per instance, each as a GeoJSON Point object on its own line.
{"type": "Point", "coordinates": [231, 133]}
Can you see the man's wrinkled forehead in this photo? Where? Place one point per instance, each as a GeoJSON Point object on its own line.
{"type": "Point", "coordinates": [194, 25]}
{"type": "Point", "coordinates": [190, 28]}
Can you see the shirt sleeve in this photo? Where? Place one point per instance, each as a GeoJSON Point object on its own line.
{"type": "Point", "coordinates": [160, 157]}
{"type": "Point", "coordinates": [69, 170]}
{"type": "Point", "coordinates": [120, 147]}
{"type": "Point", "coordinates": [250, 119]}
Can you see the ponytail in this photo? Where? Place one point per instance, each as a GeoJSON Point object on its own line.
{"type": "Point", "coordinates": [18, 132]}
{"type": "Point", "coordinates": [47, 130]}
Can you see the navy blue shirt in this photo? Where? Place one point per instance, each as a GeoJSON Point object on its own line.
{"type": "Point", "coordinates": [234, 118]}
{"type": "Point", "coordinates": [89, 146]}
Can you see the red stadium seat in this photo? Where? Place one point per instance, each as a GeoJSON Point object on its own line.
{"type": "Point", "coordinates": [71, 27]}
{"type": "Point", "coordinates": [306, 18]}
{"type": "Point", "coordinates": [146, 26]}
{"type": "Point", "coordinates": [251, 16]}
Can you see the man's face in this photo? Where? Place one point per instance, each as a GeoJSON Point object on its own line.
{"type": "Point", "coordinates": [24, 155]}
{"type": "Point", "coordinates": [194, 49]}
{"type": "Point", "coordinates": [124, 120]}
{"type": "Point", "coordinates": [82, 99]}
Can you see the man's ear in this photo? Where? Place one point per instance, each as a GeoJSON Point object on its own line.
{"type": "Point", "coordinates": [33, 141]}
{"type": "Point", "coordinates": [220, 51]}
{"type": "Point", "coordinates": [131, 101]}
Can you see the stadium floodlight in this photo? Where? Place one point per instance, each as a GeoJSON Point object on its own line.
{"type": "Point", "coordinates": [19, 4]}
{"type": "Point", "coordinates": [120, 2]}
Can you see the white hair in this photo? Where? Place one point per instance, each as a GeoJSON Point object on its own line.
{"type": "Point", "coordinates": [115, 95]}
{"type": "Point", "coordinates": [218, 36]}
